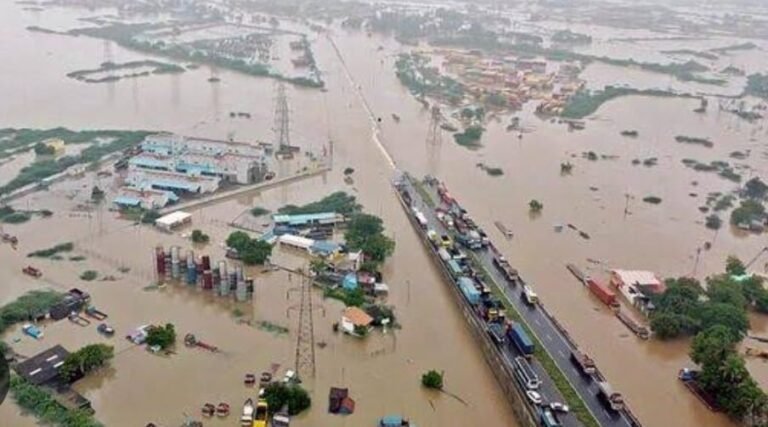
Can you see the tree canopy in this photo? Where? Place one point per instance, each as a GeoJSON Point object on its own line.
{"type": "Point", "coordinates": [251, 251]}
{"type": "Point", "coordinates": [85, 360]}
{"type": "Point", "coordinates": [162, 336]}
{"type": "Point", "coordinates": [278, 394]}
{"type": "Point", "coordinates": [432, 379]}
{"type": "Point", "coordinates": [365, 233]}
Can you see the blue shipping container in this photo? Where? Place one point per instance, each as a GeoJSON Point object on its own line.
{"type": "Point", "coordinates": [191, 276]}
{"type": "Point", "coordinates": [468, 289]}
{"type": "Point", "coordinates": [521, 339]}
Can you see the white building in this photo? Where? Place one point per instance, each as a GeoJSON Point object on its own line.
{"type": "Point", "coordinates": [173, 220]}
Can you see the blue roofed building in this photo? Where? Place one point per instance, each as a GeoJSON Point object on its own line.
{"type": "Point", "coordinates": [308, 220]}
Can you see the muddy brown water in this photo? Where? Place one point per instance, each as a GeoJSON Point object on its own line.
{"type": "Point", "coordinates": [382, 372]}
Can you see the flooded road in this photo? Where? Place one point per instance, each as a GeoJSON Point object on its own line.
{"type": "Point", "coordinates": [382, 373]}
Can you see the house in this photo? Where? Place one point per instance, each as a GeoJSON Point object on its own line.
{"type": "Point", "coordinates": [308, 220]}
{"type": "Point", "coordinates": [644, 281]}
{"type": "Point", "coordinates": [350, 282]}
{"type": "Point", "coordinates": [354, 319]}
{"type": "Point", "coordinates": [43, 368]}
{"type": "Point", "coordinates": [324, 248]}
{"type": "Point", "coordinates": [339, 401]}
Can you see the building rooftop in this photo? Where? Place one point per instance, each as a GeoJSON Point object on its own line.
{"type": "Point", "coordinates": [639, 278]}
{"type": "Point", "coordinates": [43, 367]}
{"type": "Point", "coordinates": [357, 316]}
{"type": "Point", "coordinates": [127, 201]}
{"type": "Point", "coordinates": [173, 218]}
{"type": "Point", "coordinates": [304, 218]}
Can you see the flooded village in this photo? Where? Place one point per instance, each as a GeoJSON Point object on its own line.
{"type": "Point", "coordinates": [539, 172]}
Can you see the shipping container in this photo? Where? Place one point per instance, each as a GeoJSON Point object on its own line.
{"type": "Point", "coordinates": [602, 292]}
{"type": "Point", "coordinates": [521, 339]}
{"type": "Point", "coordinates": [454, 268]}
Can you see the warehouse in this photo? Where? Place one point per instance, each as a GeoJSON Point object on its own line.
{"type": "Point", "coordinates": [173, 220]}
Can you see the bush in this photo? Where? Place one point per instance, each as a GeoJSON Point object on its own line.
{"type": "Point", "coordinates": [31, 304]}
{"type": "Point", "coordinates": [200, 237]}
{"type": "Point", "coordinates": [89, 275]}
{"type": "Point", "coordinates": [278, 394]}
{"type": "Point", "coordinates": [432, 379]}
{"type": "Point", "coordinates": [349, 171]}
{"type": "Point", "coordinates": [149, 217]}
{"type": "Point", "coordinates": [259, 211]}
{"type": "Point", "coordinates": [47, 253]}
{"type": "Point", "coordinates": [470, 137]}
{"type": "Point", "coordinates": [339, 202]}
{"type": "Point", "coordinates": [16, 218]}
{"type": "Point", "coordinates": [85, 360]}
{"type": "Point", "coordinates": [652, 200]}
{"type": "Point", "coordinates": [162, 336]}
{"type": "Point", "coordinates": [713, 222]}
{"type": "Point", "coordinates": [535, 206]}
{"type": "Point", "coordinates": [39, 402]}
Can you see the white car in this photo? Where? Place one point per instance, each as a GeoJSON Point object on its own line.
{"type": "Point", "coordinates": [559, 407]}
{"type": "Point", "coordinates": [534, 397]}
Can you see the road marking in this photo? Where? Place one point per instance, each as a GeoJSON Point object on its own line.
{"type": "Point", "coordinates": [549, 337]}
{"type": "Point", "coordinates": [560, 352]}
{"type": "Point", "coordinates": [536, 321]}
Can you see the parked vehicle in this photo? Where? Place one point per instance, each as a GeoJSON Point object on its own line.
{"type": "Point", "coordinates": [260, 415]}
{"type": "Point", "coordinates": [529, 296]}
{"type": "Point", "coordinates": [246, 419]}
{"type": "Point", "coordinates": [585, 363]}
{"type": "Point", "coordinates": [548, 418]}
{"type": "Point", "coordinates": [525, 374]}
{"type": "Point", "coordinates": [32, 271]}
{"type": "Point", "coordinates": [520, 338]}
{"type": "Point", "coordinates": [559, 407]}
{"type": "Point", "coordinates": [105, 330]}
{"type": "Point", "coordinates": [534, 397]}
{"type": "Point", "coordinates": [33, 331]}
{"type": "Point", "coordinates": [613, 400]}
{"type": "Point", "coordinates": [91, 311]}
{"type": "Point", "coordinates": [496, 331]}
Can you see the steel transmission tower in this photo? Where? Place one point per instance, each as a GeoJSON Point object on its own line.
{"type": "Point", "coordinates": [282, 124]}
{"type": "Point", "coordinates": [434, 140]}
{"type": "Point", "coordinates": [305, 339]}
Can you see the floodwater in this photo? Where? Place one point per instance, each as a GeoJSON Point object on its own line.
{"type": "Point", "coordinates": [383, 372]}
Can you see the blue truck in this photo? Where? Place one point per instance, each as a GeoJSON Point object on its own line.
{"type": "Point", "coordinates": [521, 339]}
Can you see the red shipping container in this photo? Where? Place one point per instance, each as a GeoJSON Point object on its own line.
{"type": "Point", "coordinates": [602, 292]}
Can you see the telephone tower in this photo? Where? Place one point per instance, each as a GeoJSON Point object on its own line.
{"type": "Point", "coordinates": [434, 140]}
{"type": "Point", "coordinates": [282, 124]}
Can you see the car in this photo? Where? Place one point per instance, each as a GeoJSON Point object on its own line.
{"type": "Point", "coordinates": [559, 407]}
{"type": "Point", "coordinates": [534, 397]}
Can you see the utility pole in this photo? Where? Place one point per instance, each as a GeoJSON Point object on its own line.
{"type": "Point", "coordinates": [305, 337]}
{"type": "Point", "coordinates": [434, 140]}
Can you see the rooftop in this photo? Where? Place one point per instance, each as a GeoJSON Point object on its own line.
{"type": "Point", "coordinates": [638, 277]}
{"type": "Point", "coordinates": [305, 218]}
{"type": "Point", "coordinates": [173, 218]}
{"type": "Point", "coordinates": [357, 316]}
{"type": "Point", "coordinates": [43, 367]}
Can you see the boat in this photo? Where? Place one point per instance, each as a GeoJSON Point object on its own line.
{"type": "Point", "coordinates": [576, 272]}
{"type": "Point", "coordinates": [246, 419]}
{"type": "Point", "coordinates": [260, 416]}
{"type": "Point", "coordinates": [222, 409]}
{"type": "Point", "coordinates": [208, 410]}
{"type": "Point", "coordinates": [32, 330]}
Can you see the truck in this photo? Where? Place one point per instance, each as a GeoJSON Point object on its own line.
{"type": "Point", "coordinates": [602, 292]}
{"type": "Point", "coordinates": [444, 255]}
{"type": "Point", "coordinates": [520, 338]}
{"type": "Point", "coordinates": [612, 399]}
{"type": "Point", "coordinates": [496, 331]}
{"type": "Point", "coordinates": [468, 242]}
{"type": "Point", "coordinates": [525, 374]}
{"type": "Point", "coordinates": [505, 268]}
{"type": "Point", "coordinates": [421, 218]}
{"type": "Point", "coordinates": [467, 287]}
{"type": "Point", "coordinates": [585, 363]}
{"type": "Point", "coordinates": [529, 296]}
{"type": "Point", "coordinates": [31, 271]}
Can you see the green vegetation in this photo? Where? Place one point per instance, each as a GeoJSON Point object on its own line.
{"type": "Point", "coordinates": [350, 298]}
{"type": "Point", "coordinates": [491, 171]}
{"type": "Point", "coordinates": [97, 194]}
{"type": "Point", "coordinates": [566, 168]}
{"type": "Point", "coordinates": [585, 102]}
{"type": "Point", "coordinates": [44, 150]}
{"type": "Point", "coordinates": [26, 307]}
{"type": "Point", "coordinates": [569, 37]}
{"type": "Point", "coordinates": [365, 232]}
{"type": "Point", "coordinates": [535, 206]}
{"type": "Point", "coordinates": [747, 212]}
{"type": "Point", "coordinates": [251, 251]}
{"type": "Point", "coordinates": [690, 52]}
{"type": "Point", "coordinates": [278, 394]}
{"type": "Point", "coordinates": [85, 360]}
{"type": "Point", "coordinates": [150, 216]}
{"type": "Point", "coordinates": [157, 67]}
{"type": "Point", "coordinates": [739, 46]}
{"type": "Point", "coordinates": [757, 85]}
{"type": "Point", "coordinates": [413, 71]}
{"type": "Point", "coordinates": [694, 140]}
{"type": "Point", "coordinates": [652, 200]}
{"type": "Point", "coordinates": [199, 237]}
{"type": "Point", "coordinates": [77, 258]}
{"type": "Point", "coordinates": [15, 217]}
{"type": "Point", "coordinates": [723, 169]}
{"type": "Point", "coordinates": [423, 193]}
{"type": "Point", "coordinates": [470, 137]}
{"type": "Point", "coordinates": [259, 211]}
{"type": "Point", "coordinates": [571, 397]}
{"type": "Point", "coordinates": [349, 171]}
{"type": "Point", "coordinates": [47, 253]}
{"type": "Point", "coordinates": [432, 379]}
{"type": "Point", "coordinates": [339, 202]}
{"type": "Point", "coordinates": [713, 222]}
{"type": "Point", "coordinates": [14, 140]}
{"type": "Point", "coordinates": [44, 407]}
{"type": "Point", "coordinates": [755, 189]}
{"type": "Point", "coordinates": [271, 327]}
{"type": "Point", "coordinates": [198, 52]}
{"type": "Point", "coordinates": [161, 336]}
{"type": "Point", "coordinates": [629, 133]}
{"type": "Point", "coordinates": [89, 275]}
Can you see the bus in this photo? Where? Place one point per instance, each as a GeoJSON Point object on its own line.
{"type": "Point", "coordinates": [525, 374]}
